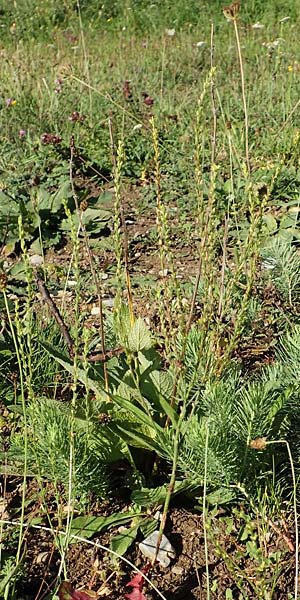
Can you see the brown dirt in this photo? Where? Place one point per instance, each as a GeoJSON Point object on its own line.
{"type": "Point", "coordinates": [94, 569]}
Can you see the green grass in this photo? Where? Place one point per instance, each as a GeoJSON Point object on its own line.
{"type": "Point", "coordinates": [126, 102]}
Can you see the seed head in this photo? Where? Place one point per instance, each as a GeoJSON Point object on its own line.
{"type": "Point", "coordinates": [231, 12]}
{"type": "Point", "coordinates": [258, 443]}
{"type": "Point", "coordinates": [3, 281]}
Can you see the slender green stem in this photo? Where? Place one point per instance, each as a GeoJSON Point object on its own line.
{"type": "Point", "coordinates": [204, 513]}
{"type": "Point", "coordinates": [295, 513]}
{"type": "Point", "coordinates": [171, 483]}
{"type": "Point", "coordinates": [25, 433]}
{"type": "Point", "coordinates": [236, 31]}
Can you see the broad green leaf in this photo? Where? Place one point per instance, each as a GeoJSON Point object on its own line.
{"type": "Point", "coordinates": [286, 235]}
{"type": "Point", "coordinates": [288, 221]}
{"type": "Point", "coordinates": [269, 223]}
{"type": "Point", "coordinates": [43, 200]}
{"type": "Point", "coordinates": [152, 496]}
{"type": "Point", "coordinates": [87, 526]}
{"type": "Point", "coordinates": [220, 496]}
{"type": "Point", "coordinates": [95, 215]}
{"type": "Point", "coordinates": [94, 219]}
{"type": "Point", "coordinates": [136, 438]}
{"type": "Point", "coordinates": [121, 542]}
{"type": "Point", "coordinates": [18, 271]}
{"type": "Point", "coordinates": [58, 199]}
{"type": "Point", "coordinates": [139, 337]}
{"type": "Point", "coordinates": [141, 416]}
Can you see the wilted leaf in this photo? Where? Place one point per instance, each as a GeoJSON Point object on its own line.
{"type": "Point", "coordinates": [65, 591]}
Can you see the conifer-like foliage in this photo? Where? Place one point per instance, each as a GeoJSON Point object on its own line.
{"type": "Point", "coordinates": [136, 422]}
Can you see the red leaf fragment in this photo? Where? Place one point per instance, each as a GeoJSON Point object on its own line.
{"type": "Point", "coordinates": [135, 595]}
{"type": "Point", "coordinates": [67, 592]}
{"type": "Point", "coordinates": [137, 583]}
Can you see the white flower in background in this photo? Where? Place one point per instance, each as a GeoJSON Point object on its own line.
{"type": "Point", "coordinates": [284, 20]}
{"type": "Point", "coordinates": [170, 32]}
{"type": "Point", "coordinates": [257, 25]}
{"type": "Point", "coordinates": [200, 44]}
{"type": "Point", "coordinates": [137, 127]}
{"type": "Point", "coordinates": [273, 45]}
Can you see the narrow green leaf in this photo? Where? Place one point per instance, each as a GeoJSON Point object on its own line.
{"type": "Point", "coordinates": [121, 542]}
{"type": "Point", "coordinates": [168, 410]}
{"type": "Point", "coordinates": [136, 438]}
{"type": "Point", "coordinates": [148, 526]}
{"type": "Point", "coordinates": [141, 416]}
{"type": "Point", "coordinates": [151, 496]}
{"type": "Point", "coordinates": [86, 526]}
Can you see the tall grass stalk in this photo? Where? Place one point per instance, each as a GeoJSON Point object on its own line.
{"type": "Point", "coordinates": [21, 330]}
{"type": "Point", "coordinates": [80, 209]}
{"type": "Point", "coordinates": [120, 239]}
{"type": "Point", "coordinates": [119, 216]}
{"type": "Point", "coordinates": [204, 513]}
{"type": "Point", "coordinates": [24, 416]}
{"type": "Point", "coordinates": [234, 18]}
{"type": "Point", "coordinates": [199, 133]}
{"type": "Point", "coordinates": [169, 295]}
{"type": "Point", "coordinates": [86, 59]}
{"type": "Point", "coordinates": [176, 446]}
{"type": "Point", "coordinates": [285, 442]}
{"type": "Point", "coordinates": [74, 400]}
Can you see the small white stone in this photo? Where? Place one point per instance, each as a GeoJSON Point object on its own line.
{"type": "Point", "coordinates": [108, 302]}
{"type": "Point", "coordinates": [166, 551]}
{"type": "Point", "coordinates": [36, 260]}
